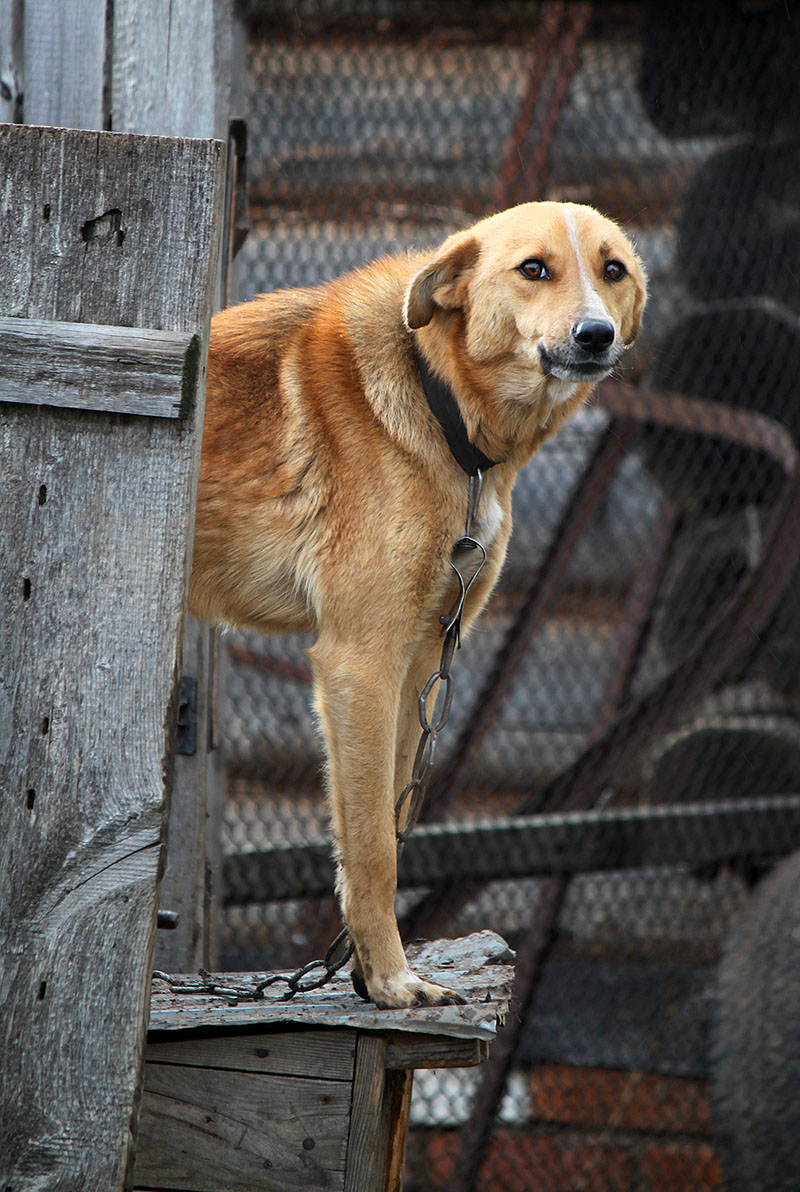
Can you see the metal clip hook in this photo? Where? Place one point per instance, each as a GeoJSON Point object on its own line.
{"type": "Point", "coordinates": [473, 500]}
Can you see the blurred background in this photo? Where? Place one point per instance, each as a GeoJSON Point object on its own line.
{"type": "Point", "coordinates": [622, 765]}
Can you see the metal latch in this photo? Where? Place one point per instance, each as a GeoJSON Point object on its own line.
{"type": "Point", "coordinates": [186, 740]}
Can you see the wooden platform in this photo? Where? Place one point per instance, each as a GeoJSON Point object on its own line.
{"type": "Point", "coordinates": [311, 1093]}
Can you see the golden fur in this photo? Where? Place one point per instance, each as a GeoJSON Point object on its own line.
{"type": "Point", "coordinates": [329, 500]}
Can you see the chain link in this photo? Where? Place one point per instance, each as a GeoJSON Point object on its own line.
{"type": "Point", "coordinates": [407, 808]}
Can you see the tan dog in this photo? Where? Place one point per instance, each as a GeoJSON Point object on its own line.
{"type": "Point", "coordinates": [329, 499]}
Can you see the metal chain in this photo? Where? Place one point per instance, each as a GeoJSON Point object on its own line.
{"type": "Point", "coordinates": [413, 792]}
{"type": "Point", "coordinates": [233, 994]}
{"type": "Point", "coordinates": [408, 804]}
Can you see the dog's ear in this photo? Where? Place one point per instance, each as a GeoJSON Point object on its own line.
{"type": "Point", "coordinates": [441, 282]}
{"type": "Point", "coordinates": [632, 325]}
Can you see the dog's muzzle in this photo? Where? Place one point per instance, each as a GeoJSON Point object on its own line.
{"type": "Point", "coordinates": [590, 353]}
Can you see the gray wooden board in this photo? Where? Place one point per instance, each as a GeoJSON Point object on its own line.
{"type": "Point", "coordinates": [187, 887]}
{"type": "Point", "coordinates": [479, 966]}
{"type": "Point", "coordinates": [94, 544]}
{"type": "Point", "coordinates": [64, 62]}
{"type": "Point", "coordinates": [299, 1053]}
{"type": "Point", "coordinates": [163, 73]}
{"type": "Point", "coordinates": [370, 1122]}
{"type": "Point", "coordinates": [229, 1131]}
{"type": "Point", "coordinates": [89, 367]}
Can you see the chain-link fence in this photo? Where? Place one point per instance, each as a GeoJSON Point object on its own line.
{"type": "Point", "coordinates": [624, 749]}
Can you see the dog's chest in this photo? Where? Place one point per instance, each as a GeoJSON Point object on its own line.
{"type": "Point", "coordinates": [485, 530]}
{"type": "Point", "coordinates": [489, 520]}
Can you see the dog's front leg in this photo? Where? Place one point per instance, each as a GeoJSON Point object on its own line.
{"type": "Point", "coordinates": [358, 696]}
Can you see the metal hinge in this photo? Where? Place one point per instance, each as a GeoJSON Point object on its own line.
{"type": "Point", "coordinates": [186, 740]}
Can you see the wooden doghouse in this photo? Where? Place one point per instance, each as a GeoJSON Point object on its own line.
{"type": "Point", "coordinates": [312, 1093]}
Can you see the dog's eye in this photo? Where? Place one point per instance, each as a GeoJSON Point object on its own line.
{"type": "Point", "coordinates": [614, 271]}
{"type": "Point", "coordinates": [534, 269]}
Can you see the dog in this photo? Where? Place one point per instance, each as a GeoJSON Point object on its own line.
{"type": "Point", "coordinates": [330, 499]}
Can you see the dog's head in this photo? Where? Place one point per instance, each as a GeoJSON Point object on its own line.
{"type": "Point", "coordinates": [553, 288]}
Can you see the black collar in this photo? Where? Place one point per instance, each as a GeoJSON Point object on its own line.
{"type": "Point", "coordinates": [445, 409]}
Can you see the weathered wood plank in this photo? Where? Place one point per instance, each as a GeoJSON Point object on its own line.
{"type": "Point", "coordinates": [94, 544]}
{"type": "Point", "coordinates": [328, 1054]}
{"type": "Point", "coordinates": [64, 62]}
{"type": "Point", "coordinates": [368, 1144]}
{"type": "Point", "coordinates": [240, 1131]}
{"type": "Point", "coordinates": [86, 366]}
{"type": "Point", "coordinates": [479, 966]}
{"type": "Point", "coordinates": [60, 199]}
{"type": "Point", "coordinates": [163, 75]}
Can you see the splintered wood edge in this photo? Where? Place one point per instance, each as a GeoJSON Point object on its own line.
{"type": "Point", "coordinates": [434, 1051]}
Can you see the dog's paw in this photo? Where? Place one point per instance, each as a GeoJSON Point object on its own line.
{"type": "Point", "coordinates": [406, 990]}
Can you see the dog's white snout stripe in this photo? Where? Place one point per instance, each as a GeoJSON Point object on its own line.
{"type": "Point", "coordinates": [594, 306]}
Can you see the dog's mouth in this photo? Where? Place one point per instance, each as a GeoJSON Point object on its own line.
{"type": "Point", "coordinates": [575, 365]}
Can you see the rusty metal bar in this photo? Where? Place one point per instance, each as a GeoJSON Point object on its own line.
{"type": "Point", "coordinates": [743, 616]}
{"type": "Point", "coordinates": [636, 618]}
{"type": "Point", "coordinates": [537, 941]}
{"type": "Point", "coordinates": [531, 954]}
{"type": "Point", "coordinates": [557, 42]}
{"type": "Point", "coordinates": [543, 48]}
{"type": "Point", "coordinates": [534, 171]}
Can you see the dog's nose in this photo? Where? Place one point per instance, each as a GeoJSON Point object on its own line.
{"type": "Point", "coordinates": [594, 335]}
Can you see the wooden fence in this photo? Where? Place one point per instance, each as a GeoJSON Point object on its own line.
{"type": "Point", "coordinates": [109, 253]}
